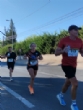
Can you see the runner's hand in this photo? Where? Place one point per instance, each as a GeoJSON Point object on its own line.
{"type": "Point", "coordinates": [14, 60]}
{"type": "Point", "coordinates": [1, 57]}
{"type": "Point", "coordinates": [37, 58]}
{"type": "Point", "coordinates": [25, 57]}
{"type": "Point", "coordinates": [66, 49]}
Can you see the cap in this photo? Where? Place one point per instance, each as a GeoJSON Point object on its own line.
{"type": "Point", "coordinates": [74, 27]}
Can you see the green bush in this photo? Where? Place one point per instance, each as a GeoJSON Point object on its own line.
{"type": "Point", "coordinates": [4, 49]}
{"type": "Point", "coordinates": [46, 43]}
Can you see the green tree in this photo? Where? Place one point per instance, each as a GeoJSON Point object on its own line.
{"type": "Point", "coordinates": [9, 32]}
{"type": "Point", "coordinates": [81, 33]}
{"type": "Point", "coordinates": [1, 43]}
{"type": "Point", "coordinates": [46, 43]}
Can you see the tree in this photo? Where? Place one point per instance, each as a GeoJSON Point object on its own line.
{"type": "Point", "coordinates": [1, 43]}
{"type": "Point", "coordinates": [5, 42]}
{"type": "Point", "coordinates": [81, 33]}
{"type": "Point", "coordinates": [46, 43]}
{"type": "Point", "coordinates": [9, 32]}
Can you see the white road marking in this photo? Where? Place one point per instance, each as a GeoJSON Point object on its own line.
{"type": "Point", "coordinates": [23, 100]}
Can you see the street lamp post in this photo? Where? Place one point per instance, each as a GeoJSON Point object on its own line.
{"type": "Point", "coordinates": [12, 34]}
{"type": "Point", "coordinates": [12, 37]}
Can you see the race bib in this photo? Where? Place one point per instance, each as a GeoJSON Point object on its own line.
{"type": "Point", "coordinates": [10, 60]}
{"type": "Point", "coordinates": [8, 54]}
{"type": "Point", "coordinates": [33, 62]}
{"type": "Point", "coordinates": [73, 53]}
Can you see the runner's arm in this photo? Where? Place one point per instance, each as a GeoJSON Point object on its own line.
{"type": "Point", "coordinates": [81, 52]}
{"type": "Point", "coordinates": [59, 51]}
{"type": "Point", "coordinates": [60, 48]}
{"type": "Point", "coordinates": [15, 57]}
{"type": "Point", "coordinates": [40, 57]}
{"type": "Point", "coordinates": [26, 55]}
{"type": "Point", "coordinates": [3, 56]}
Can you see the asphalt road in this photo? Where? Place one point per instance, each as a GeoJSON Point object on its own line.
{"type": "Point", "coordinates": [47, 85]}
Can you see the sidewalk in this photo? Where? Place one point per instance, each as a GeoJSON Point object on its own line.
{"type": "Point", "coordinates": [49, 59]}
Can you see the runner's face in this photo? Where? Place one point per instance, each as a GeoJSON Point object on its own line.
{"type": "Point", "coordinates": [74, 33]}
{"type": "Point", "coordinates": [10, 49]}
{"type": "Point", "coordinates": [33, 47]}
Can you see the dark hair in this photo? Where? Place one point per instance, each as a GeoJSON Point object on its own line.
{"type": "Point", "coordinates": [9, 47]}
{"type": "Point", "coordinates": [32, 44]}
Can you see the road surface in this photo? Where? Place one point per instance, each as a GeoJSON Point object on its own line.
{"type": "Point", "coordinates": [48, 83]}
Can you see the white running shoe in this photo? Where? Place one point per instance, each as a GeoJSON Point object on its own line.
{"type": "Point", "coordinates": [11, 79]}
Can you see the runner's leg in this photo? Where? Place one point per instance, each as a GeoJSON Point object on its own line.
{"type": "Point", "coordinates": [11, 67]}
{"type": "Point", "coordinates": [66, 85]}
{"type": "Point", "coordinates": [74, 84]}
{"type": "Point", "coordinates": [10, 72]}
{"type": "Point", "coordinates": [35, 73]}
{"type": "Point", "coordinates": [64, 89]}
{"type": "Point", "coordinates": [31, 72]}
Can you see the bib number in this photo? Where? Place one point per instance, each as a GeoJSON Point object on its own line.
{"type": "Point", "coordinates": [10, 60]}
{"type": "Point", "coordinates": [33, 62]}
{"type": "Point", "coordinates": [73, 53]}
{"type": "Point", "coordinates": [8, 54]}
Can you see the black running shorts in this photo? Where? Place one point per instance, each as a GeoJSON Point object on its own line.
{"type": "Point", "coordinates": [33, 67]}
{"type": "Point", "coordinates": [69, 71]}
{"type": "Point", "coordinates": [10, 65]}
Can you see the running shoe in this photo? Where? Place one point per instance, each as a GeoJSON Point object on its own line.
{"type": "Point", "coordinates": [31, 90]}
{"type": "Point", "coordinates": [11, 79]}
{"type": "Point", "coordinates": [61, 99]}
{"type": "Point", "coordinates": [74, 107]}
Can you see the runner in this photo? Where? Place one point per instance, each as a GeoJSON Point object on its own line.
{"type": "Point", "coordinates": [33, 56]}
{"type": "Point", "coordinates": [69, 48]}
{"type": "Point", "coordinates": [11, 57]}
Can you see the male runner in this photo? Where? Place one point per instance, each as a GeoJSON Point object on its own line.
{"type": "Point", "coordinates": [11, 57]}
{"type": "Point", "coordinates": [69, 47]}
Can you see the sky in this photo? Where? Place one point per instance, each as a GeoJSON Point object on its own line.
{"type": "Point", "coordinates": [34, 17]}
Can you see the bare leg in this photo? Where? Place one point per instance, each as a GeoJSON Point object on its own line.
{"type": "Point", "coordinates": [66, 85]}
{"type": "Point", "coordinates": [31, 72]}
{"type": "Point", "coordinates": [74, 84]}
{"type": "Point", "coordinates": [10, 72]}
